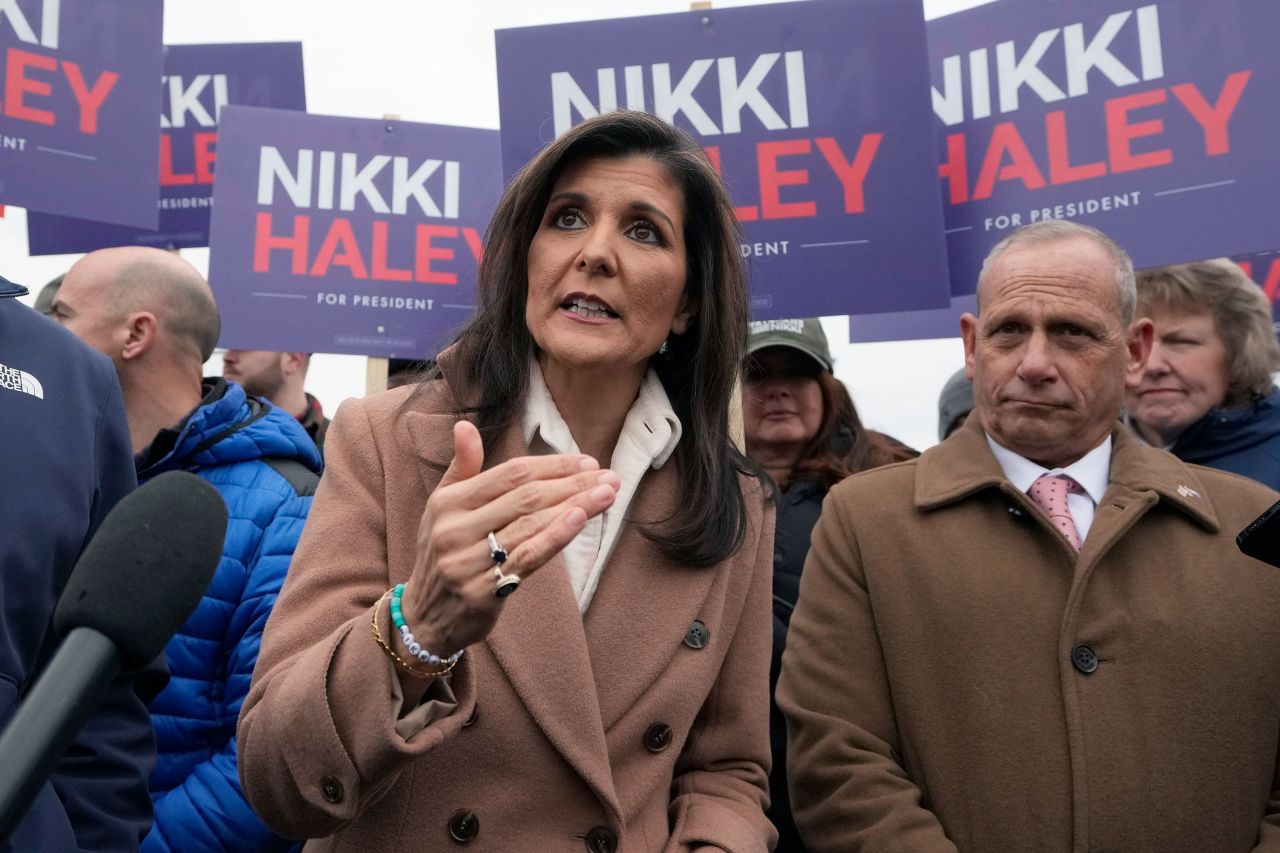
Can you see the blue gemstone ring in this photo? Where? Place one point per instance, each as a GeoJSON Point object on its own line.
{"type": "Point", "coordinates": [496, 552]}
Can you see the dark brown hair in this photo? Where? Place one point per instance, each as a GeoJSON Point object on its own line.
{"type": "Point", "coordinates": [843, 446]}
{"type": "Point", "coordinates": [699, 367]}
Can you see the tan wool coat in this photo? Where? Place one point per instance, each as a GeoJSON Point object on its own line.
{"type": "Point", "coordinates": [613, 730]}
{"type": "Point", "coordinates": [938, 698]}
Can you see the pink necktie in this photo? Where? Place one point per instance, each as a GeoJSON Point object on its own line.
{"type": "Point", "coordinates": [1050, 494]}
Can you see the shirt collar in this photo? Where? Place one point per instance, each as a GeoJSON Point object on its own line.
{"type": "Point", "coordinates": [651, 422]}
{"type": "Point", "coordinates": [1092, 471]}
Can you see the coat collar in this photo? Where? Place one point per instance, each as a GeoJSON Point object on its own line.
{"type": "Point", "coordinates": [964, 465]}
{"type": "Point", "coordinates": [634, 627]}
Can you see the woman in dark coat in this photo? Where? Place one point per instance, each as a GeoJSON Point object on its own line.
{"type": "Point", "coordinates": [802, 429]}
{"type": "Point", "coordinates": [1206, 393]}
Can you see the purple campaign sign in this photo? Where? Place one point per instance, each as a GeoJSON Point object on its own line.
{"type": "Point", "coordinates": [79, 83]}
{"type": "Point", "coordinates": [1155, 122]}
{"type": "Point", "coordinates": [199, 80]}
{"type": "Point", "coordinates": [347, 235]}
{"type": "Point", "coordinates": [817, 112]}
{"type": "Point", "coordinates": [912, 325]}
{"type": "Point", "coordinates": [1264, 268]}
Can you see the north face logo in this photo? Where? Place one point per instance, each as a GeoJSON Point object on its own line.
{"type": "Point", "coordinates": [20, 380]}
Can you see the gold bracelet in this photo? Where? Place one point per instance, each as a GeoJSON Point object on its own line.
{"type": "Point", "coordinates": [400, 662]}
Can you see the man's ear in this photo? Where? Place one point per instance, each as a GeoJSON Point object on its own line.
{"type": "Point", "coordinates": [969, 334]}
{"type": "Point", "coordinates": [292, 362]}
{"type": "Point", "coordinates": [141, 334]}
{"type": "Point", "coordinates": [1142, 334]}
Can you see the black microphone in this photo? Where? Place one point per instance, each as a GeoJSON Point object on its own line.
{"type": "Point", "coordinates": [138, 580]}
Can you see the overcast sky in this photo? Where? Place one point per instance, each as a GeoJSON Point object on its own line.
{"type": "Point", "coordinates": [431, 61]}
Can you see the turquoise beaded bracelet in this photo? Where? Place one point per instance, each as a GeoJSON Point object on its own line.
{"type": "Point", "coordinates": [406, 636]}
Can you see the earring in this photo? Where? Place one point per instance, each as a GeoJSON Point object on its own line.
{"type": "Point", "coordinates": [662, 350]}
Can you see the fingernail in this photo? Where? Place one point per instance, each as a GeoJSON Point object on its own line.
{"type": "Point", "coordinates": [575, 518]}
{"type": "Point", "coordinates": [609, 478]}
{"type": "Point", "coordinates": [586, 463]}
{"type": "Point", "coordinates": [600, 494]}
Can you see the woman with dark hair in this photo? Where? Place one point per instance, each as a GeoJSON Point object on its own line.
{"type": "Point", "coordinates": [802, 429]}
{"type": "Point", "coordinates": [1206, 393]}
{"type": "Point", "coordinates": [530, 606]}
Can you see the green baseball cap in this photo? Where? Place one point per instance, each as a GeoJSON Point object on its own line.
{"type": "Point", "coordinates": [805, 335]}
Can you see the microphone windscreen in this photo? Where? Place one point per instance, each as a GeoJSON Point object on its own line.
{"type": "Point", "coordinates": [148, 565]}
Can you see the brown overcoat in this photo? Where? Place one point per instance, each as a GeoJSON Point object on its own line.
{"type": "Point", "coordinates": [558, 741]}
{"type": "Point", "coordinates": [932, 693]}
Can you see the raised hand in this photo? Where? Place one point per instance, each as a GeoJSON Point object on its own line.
{"type": "Point", "coordinates": [534, 505]}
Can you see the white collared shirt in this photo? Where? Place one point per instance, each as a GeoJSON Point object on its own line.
{"type": "Point", "coordinates": [1092, 471]}
{"type": "Point", "coordinates": [649, 436]}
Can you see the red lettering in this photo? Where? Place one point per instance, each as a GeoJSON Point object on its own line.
{"type": "Point", "coordinates": [340, 249]}
{"type": "Point", "coordinates": [1271, 285]}
{"type": "Point", "coordinates": [772, 179]}
{"type": "Point", "coordinates": [956, 169]}
{"type": "Point", "coordinates": [168, 177]}
{"type": "Point", "coordinates": [264, 242]}
{"type": "Point", "coordinates": [206, 154]}
{"type": "Point", "coordinates": [426, 253]}
{"type": "Point", "coordinates": [1214, 118]}
{"type": "Point", "coordinates": [472, 236]}
{"type": "Point", "coordinates": [1120, 133]}
{"type": "Point", "coordinates": [89, 98]}
{"type": "Point", "coordinates": [1005, 139]}
{"type": "Point", "coordinates": [1060, 169]}
{"type": "Point", "coordinates": [17, 84]}
{"type": "Point", "coordinates": [381, 271]}
{"type": "Point", "coordinates": [747, 213]}
{"type": "Point", "coordinates": [851, 175]}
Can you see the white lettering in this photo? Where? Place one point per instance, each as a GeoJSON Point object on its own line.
{"type": "Point", "coordinates": [1014, 73]}
{"type": "Point", "coordinates": [297, 184]}
{"type": "Point", "coordinates": [668, 102]}
{"type": "Point", "coordinates": [359, 181]}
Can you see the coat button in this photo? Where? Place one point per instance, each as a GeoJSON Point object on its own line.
{"type": "Point", "coordinates": [697, 636]}
{"type": "Point", "coordinates": [1084, 658]}
{"type": "Point", "coordinates": [657, 737]}
{"type": "Point", "coordinates": [602, 839]}
{"type": "Point", "coordinates": [331, 789]}
{"type": "Point", "coordinates": [464, 826]}
{"type": "Point", "coordinates": [472, 717]}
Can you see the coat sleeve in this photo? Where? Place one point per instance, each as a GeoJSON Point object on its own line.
{"type": "Point", "coordinates": [720, 787]}
{"type": "Point", "coordinates": [208, 811]}
{"type": "Point", "coordinates": [102, 778]}
{"type": "Point", "coordinates": [849, 791]}
{"type": "Point", "coordinates": [317, 735]}
{"type": "Point", "coordinates": [1269, 832]}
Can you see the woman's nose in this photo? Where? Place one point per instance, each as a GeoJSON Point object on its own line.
{"type": "Point", "coordinates": [598, 255]}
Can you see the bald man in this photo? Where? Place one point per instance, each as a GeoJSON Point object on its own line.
{"type": "Point", "coordinates": [154, 316]}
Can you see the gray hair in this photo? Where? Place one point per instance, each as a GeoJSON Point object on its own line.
{"type": "Point", "coordinates": [1056, 230]}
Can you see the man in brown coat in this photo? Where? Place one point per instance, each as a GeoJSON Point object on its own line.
{"type": "Point", "coordinates": [968, 671]}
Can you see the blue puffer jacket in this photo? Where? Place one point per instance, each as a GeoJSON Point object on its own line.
{"type": "Point", "coordinates": [1243, 441]}
{"type": "Point", "coordinates": [195, 786]}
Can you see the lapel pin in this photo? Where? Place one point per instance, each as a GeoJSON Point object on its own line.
{"type": "Point", "coordinates": [1188, 492]}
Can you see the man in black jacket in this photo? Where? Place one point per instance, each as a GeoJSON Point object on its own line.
{"type": "Point", "coordinates": [65, 462]}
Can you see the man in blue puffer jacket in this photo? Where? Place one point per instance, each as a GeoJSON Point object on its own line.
{"type": "Point", "coordinates": [155, 317]}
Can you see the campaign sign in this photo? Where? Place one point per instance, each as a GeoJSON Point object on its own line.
{"type": "Point", "coordinates": [199, 80]}
{"type": "Point", "coordinates": [817, 113]}
{"type": "Point", "coordinates": [347, 235]}
{"type": "Point", "coordinates": [79, 84]}
{"type": "Point", "coordinates": [1264, 269]}
{"type": "Point", "coordinates": [912, 325]}
{"type": "Point", "coordinates": [1154, 122]}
